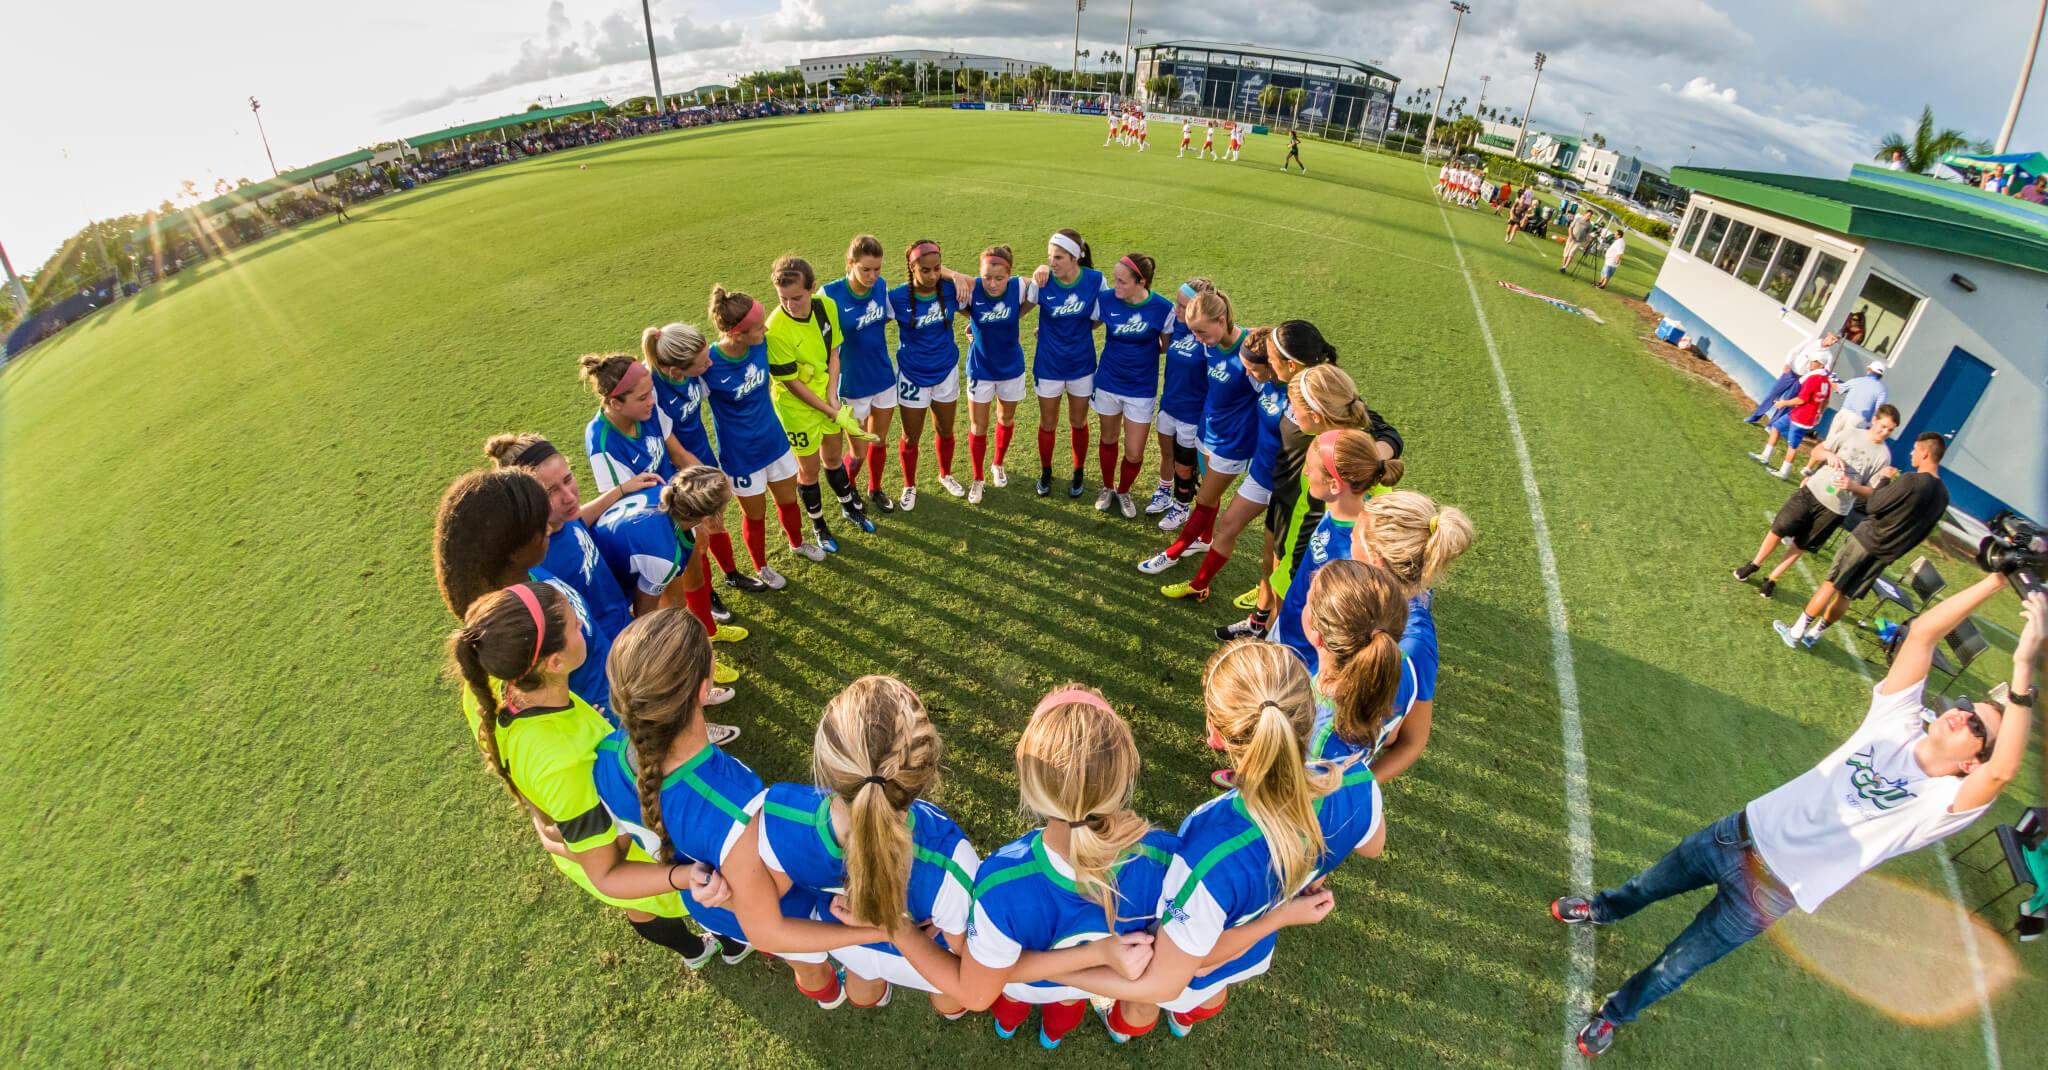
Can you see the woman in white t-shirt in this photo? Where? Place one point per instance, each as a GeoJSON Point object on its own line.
{"type": "Point", "coordinates": [1905, 779]}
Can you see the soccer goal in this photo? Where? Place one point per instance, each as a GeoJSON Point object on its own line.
{"type": "Point", "coordinates": [1078, 101]}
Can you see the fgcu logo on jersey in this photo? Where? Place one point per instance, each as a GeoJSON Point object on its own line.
{"type": "Point", "coordinates": [591, 558]}
{"type": "Point", "coordinates": [575, 600]}
{"type": "Point", "coordinates": [1220, 371]}
{"type": "Point", "coordinates": [1184, 346]}
{"type": "Point", "coordinates": [995, 314]}
{"type": "Point", "coordinates": [1319, 546]}
{"type": "Point", "coordinates": [1072, 306]}
{"type": "Point", "coordinates": [1134, 325]}
{"type": "Point", "coordinates": [933, 316]}
{"type": "Point", "coordinates": [1874, 787]}
{"type": "Point", "coordinates": [1273, 401]}
{"type": "Point", "coordinates": [869, 316]}
{"type": "Point", "coordinates": [754, 380]}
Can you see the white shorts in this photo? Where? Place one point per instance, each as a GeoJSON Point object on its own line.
{"type": "Point", "coordinates": [1226, 465]}
{"type": "Point", "coordinates": [1182, 432]}
{"type": "Point", "coordinates": [867, 963]}
{"type": "Point", "coordinates": [983, 391]}
{"type": "Point", "coordinates": [862, 406]}
{"type": "Point", "coordinates": [1255, 492]}
{"type": "Point", "coordinates": [1073, 388]}
{"type": "Point", "coordinates": [1136, 410]}
{"type": "Point", "coordinates": [1195, 997]}
{"type": "Point", "coordinates": [912, 396]}
{"type": "Point", "coordinates": [755, 484]}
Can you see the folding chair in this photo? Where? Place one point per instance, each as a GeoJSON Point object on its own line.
{"type": "Point", "coordinates": [1965, 644]}
{"type": "Point", "coordinates": [2014, 841]}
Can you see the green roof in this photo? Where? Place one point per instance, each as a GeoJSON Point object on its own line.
{"type": "Point", "coordinates": [248, 195]}
{"type": "Point", "coordinates": [1890, 206]}
{"type": "Point", "coordinates": [503, 121]}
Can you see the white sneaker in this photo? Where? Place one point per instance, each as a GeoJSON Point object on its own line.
{"type": "Point", "coordinates": [1157, 563]}
{"type": "Point", "coordinates": [999, 476]}
{"type": "Point", "coordinates": [1126, 506]}
{"type": "Point", "coordinates": [1760, 458]}
{"type": "Point", "coordinates": [718, 696]}
{"type": "Point", "coordinates": [1162, 500]}
{"type": "Point", "coordinates": [1199, 546]}
{"type": "Point", "coordinates": [974, 492]}
{"type": "Point", "coordinates": [952, 486]}
{"type": "Point", "coordinates": [1785, 470]}
{"type": "Point", "coordinates": [811, 551]}
{"type": "Point", "coordinates": [1104, 499]}
{"type": "Point", "coordinates": [1176, 515]}
{"type": "Point", "coordinates": [767, 574]}
{"type": "Point", "coordinates": [909, 499]}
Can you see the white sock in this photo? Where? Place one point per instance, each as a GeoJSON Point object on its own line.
{"type": "Point", "coordinates": [1819, 626]}
{"type": "Point", "coordinates": [1799, 628]}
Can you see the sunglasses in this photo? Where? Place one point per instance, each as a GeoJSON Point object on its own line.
{"type": "Point", "coordinates": [1975, 724]}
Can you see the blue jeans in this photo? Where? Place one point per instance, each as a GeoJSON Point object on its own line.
{"type": "Point", "coordinates": [1786, 384]}
{"type": "Point", "coordinates": [1748, 900]}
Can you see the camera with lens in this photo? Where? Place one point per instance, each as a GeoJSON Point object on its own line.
{"type": "Point", "coordinates": [2017, 548]}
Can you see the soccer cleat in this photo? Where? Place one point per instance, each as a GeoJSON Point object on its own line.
{"type": "Point", "coordinates": [884, 503]}
{"type": "Point", "coordinates": [1176, 516]}
{"type": "Point", "coordinates": [1224, 778]}
{"type": "Point", "coordinates": [952, 486]}
{"type": "Point", "coordinates": [1572, 910]}
{"type": "Point", "coordinates": [741, 582]}
{"type": "Point", "coordinates": [720, 734]}
{"type": "Point", "coordinates": [732, 952]}
{"type": "Point", "coordinates": [1103, 1007]}
{"type": "Point", "coordinates": [826, 542]}
{"type": "Point", "coordinates": [1077, 486]}
{"type": "Point", "coordinates": [974, 492]}
{"type": "Point", "coordinates": [1248, 628]}
{"type": "Point", "coordinates": [1000, 1031]}
{"type": "Point", "coordinates": [772, 578]}
{"type": "Point", "coordinates": [1812, 637]}
{"type": "Point", "coordinates": [1761, 458]}
{"type": "Point", "coordinates": [1045, 482]}
{"type": "Point", "coordinates": [728, 633]}
{"type": "Point", "coordinates": [1745, 571]}
{"type": "Point", "coordinates": [909, 500]}
{"type": "Point", "coordinates": [1044, 1041]}
{"type": "Point", "coordinates": [998, 475]}
{"type": "Point", "coordinates": [1247, 601]}
{"type": "Point", "coordinates": [1786, 633]}
{"type": "Point", "coordinates": [1767, 588]}
{"type": "Point", "coordinates": [719, 614]}
{"type": "Point", "coordinates": [1157, 563]}
{"type": "Point", "coordinates": [1185, 589]}
{"type": "Point", "coordinates": [1177, 1025]}
{"type": "Point", "coordinates": [1596, 1036]}
{"type": "Point", "coordinates": [838, 982]}
{"type": "Point", "coordinates": [698, 961]}
{"type": "Point", "coordinates": [1162, 500]}
{"type": "Point", "coordinates": [718, 696]}
{"type": "Point", "coordinates": [1104, 500]}
{"type": "Point", "coordinates": [809, 551]}
{"type": "Point", "coordinates": [721, 673]}
{"type": "Point", "coordinates": [1784, 471]}
{"type": "Point", "coordinates": [1126, 506]}
{"type": "Point", "coordinates": [858, 518]}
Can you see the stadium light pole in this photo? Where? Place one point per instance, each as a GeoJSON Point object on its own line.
{"type": "Point", "coordinates": [2019, 92]}
{"type": "Point", "coordinates": [1523, 134]}
{"type": "Point", "coordinates": [647, 20]}
{"type": "Point", "coordinates": [256, 109]}
{"type": "Point", "coordinates": [1079, 6]}
{"type": "Point", "coordinates": [1462, 9]}
{"type": "Point", "coordinates": [1130, 16]}
{"type": "Point", "coordinates": [15, 289]}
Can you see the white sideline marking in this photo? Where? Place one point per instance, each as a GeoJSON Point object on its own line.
{"type": "Point", "coordinates": [1578, 804]}
{"type": "Point", "coordinates": [1948, 869]}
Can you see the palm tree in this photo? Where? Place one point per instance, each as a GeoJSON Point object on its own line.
{"type": "Point", "coordinates": [1927, 145]}
{"type": "Point", "coordinates": [1294, 99]}
{"type": "Point", "coordinates": [1269, 100]}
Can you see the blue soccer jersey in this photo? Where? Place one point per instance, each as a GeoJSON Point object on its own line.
{"type": "Point", "coordinates": [797, 840]}
{"type": "Point", "coordinates": [1187, 378]}
{"type": "Point", "coordinates": [1326, 744]}
{"type": "Point", "coordinates": [1222, 876]}
{"type": "Point", "coordinates": [1131, 336]}
{"type": "Point", "coordinates": [996, 354]}
{"type": "Point", "coordinates": [1025, 900]}
{"type": "Point", "coordinates": [1230, 409]}
{"type": "Point", "coordinates": [1066, 327]}
{"type": "Point", "coordinates": [682, 402]}
{"type": "Point", "coordinates": [573, 556]}
{"type": "Point", "coordinates": [589, 681]}
{"type": "Point", "coordinates": [864, 365]}
{"type": "Point", "coordinates": [1272, 410]}
{"type": "Point", "coordinates": [617, 456]}
{"type": "Point", "coordinates": [703, 810]}
{"type": "Point", "coordinates": [1331, 541]}
{"type": "Point", "coordinates": [926, 350]}
{"type": "Point", "coordinates": [750, 435]}
{"type": "Point", "coordinates": [641, 546]}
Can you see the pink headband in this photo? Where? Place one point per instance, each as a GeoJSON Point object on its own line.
{"type": "Point", "coordinates": [540, 619]}
{"type": "Point", "coordinates": [1072, 694]}
{"type": "Point", "coordinates": [986, 257]}
{"type": "Point", "coordinates": [1326, 445]}
{"type": "Point", "coordinates": [634, 372]}
{"type": "Point", "coordinates": [751, 320]}
{"type": "Point", "coordinates": [922, 248]}
{"type": "Point", "coordinates": [1136, 271]}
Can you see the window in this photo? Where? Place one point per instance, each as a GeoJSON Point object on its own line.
{"type": "Point", "coordinates": [1884, 309]}
{"type": "Point", "coordinates": [1820, 288]}
{"type": "Point", "coordinates": [1779, 279]}
{"type": "Point", "coordinates": [1752, 270]}
{"type": "Point", "coordinates": [1732, 249]}
{"type": "Point", "coordinates": [1693, 225]}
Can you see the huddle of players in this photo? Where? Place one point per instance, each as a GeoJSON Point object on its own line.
{"type": "Point", "coordinates": [1129, 126]}
{"type": "Point", "coordinates": [586, 680]}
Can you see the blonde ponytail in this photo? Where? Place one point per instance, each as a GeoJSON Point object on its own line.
{"type": "Point", "coordinates": [1077, 764]}
{"type": "Point", "coordinates": [877, 750]}
{"type": "Point", "coordinates": [1261, 706]}
{"type": "Point", "coordinates": [1413, 537]}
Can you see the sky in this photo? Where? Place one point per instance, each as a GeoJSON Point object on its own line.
{"type": "Point", "coordinates": [104, 123]}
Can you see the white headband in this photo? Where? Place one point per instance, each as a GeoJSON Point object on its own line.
{"type": "Point", "coordinates": [1281, 346]}
{"type": "Point", "coordinates": [1072, 247]}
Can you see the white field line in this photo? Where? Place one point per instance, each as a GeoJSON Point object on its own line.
{"type": "Point", "coordinates": [1577, 799]}
{"type": "Point", "coordinates": [1948, 869]}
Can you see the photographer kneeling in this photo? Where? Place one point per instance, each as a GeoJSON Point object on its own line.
{"type": "Point", "coordinates": [1899, 783]}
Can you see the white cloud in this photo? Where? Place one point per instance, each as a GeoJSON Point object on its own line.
{"type": "Point", "coordinates": [1699, 88]}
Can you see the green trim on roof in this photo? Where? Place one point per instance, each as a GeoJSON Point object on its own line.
{"type": "Point", "coordinates": [1293, 54]}
{"type": "Point", "coordinates": [503, 121]}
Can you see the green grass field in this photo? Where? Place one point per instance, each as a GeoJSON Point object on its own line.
{"type": "Point", "coordinates": [245, 825]}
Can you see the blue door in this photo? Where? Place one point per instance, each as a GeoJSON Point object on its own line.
{"type": "Point", "coordinates": [1947, 404]}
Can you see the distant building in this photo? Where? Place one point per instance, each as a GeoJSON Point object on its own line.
{"type": "Point", "coordinates": [1607, 171]}
{"type": "Point", "coordinates": [1945, 280]}
{"type": "Point", "coordinates": [832, 68]}
{"type": "Point", "coordinates": [1225, 80]}
{"type": "Point", "coordinates": [1552, 150]}
{"type": "Point", "coordinates": [1657, 190]}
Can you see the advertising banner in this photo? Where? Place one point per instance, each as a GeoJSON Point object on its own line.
{"type": "Point", "coordinates": [1191, 76]}
{"type": "Point", "coordinates": [1320, 97]}
{"type": "Point", "coordinates": [1249, 85]}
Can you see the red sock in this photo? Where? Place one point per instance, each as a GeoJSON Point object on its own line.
{"type": "Point", "coordinates": [1059, 1019]}
{"type": "Point", "coordinates": [1009, 1013]}
{"type": "Point", "coordinates": [1127, 475]}
{"type": "Point", "coordinates": [1201, 1014]}
{"type": "Point", "coordinates": [721, 549]}
{"type": "Point", "coordinates": [1003, 433]}
{"type": "Point", "coordinates": [1045, 442]}
{"type": "Point", "coordinates": [977, 452]}
{"type": "Point", "coordinates": [1197, 527]}
{"type": "Point", "coordinates": [755, 532]}
{"type": "Point", "coordinates": [824, 995]}
{"type": "Point", "coordinates": [1079, 438]}
{"type": "Point", "coordinates": [906, 455]}
{"type": "Point", "coordinates": [878, 459]}
{"type": "Point", "coordinates": [945, 448]}
{"type": "Point", "coordinates": [1105, 456]}
{"type": "Point", "coordinates": [1212, 563]}
{"type": "Point", "coordinates": [792, 522]}
{"type": "Point", "coordinates": [1121, 1025]}
{"type": "Point", "coordinates": [699, 602]}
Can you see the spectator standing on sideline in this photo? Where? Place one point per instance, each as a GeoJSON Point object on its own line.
{"type": "Point", "coordinates": [1898, 161]}
{"type": "Point", "coordinates": [1828, 345]}
{"type": "Point", "coordinates": [1860, 398]}
{"type": "Point", "coordinates": [1613, 260]}
{"type": "Point", "coordinates": [2036, 191]}
{"type": "Point", "coordinates": [1902, 512]}
{"type": "Point", "coordinates": [1576, 237]}
{"type": "Point", "coordinates": [1854, 457]}
{"type": "Point", "coordinates": [1798, 415]}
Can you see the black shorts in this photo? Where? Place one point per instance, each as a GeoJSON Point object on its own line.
{"type": "Point", "coordinates": [1805, 522]}
{"type": "Point", "coordinates": [1856, 568]}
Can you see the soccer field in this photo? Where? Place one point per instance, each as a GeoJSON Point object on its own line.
{"type": "Point", "coordinates": [245, 825]}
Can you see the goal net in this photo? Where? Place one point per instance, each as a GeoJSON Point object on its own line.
{"type": "Point", "coordinates": [1085, 102]}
